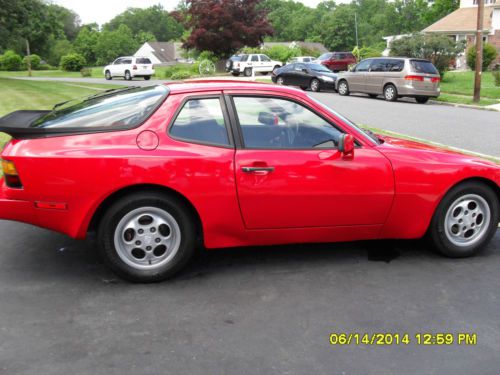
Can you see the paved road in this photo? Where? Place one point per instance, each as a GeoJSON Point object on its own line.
{"type": "Point", "coordinates": [244, 311]}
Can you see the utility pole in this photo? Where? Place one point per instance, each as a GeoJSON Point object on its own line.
{"type": "Point", "coordinates": [356, 27]}
{"type": "Point", "coordinates": [28, 57]}
{"type": "Point", "coordinates": [479, 51]}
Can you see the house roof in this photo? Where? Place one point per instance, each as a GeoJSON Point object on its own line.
{"type": "Point", "coordinates": [164, 51]}
{"type": "Point", "coordinates": [462, 19]}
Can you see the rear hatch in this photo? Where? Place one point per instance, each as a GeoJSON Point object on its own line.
{"type": "Point", "coordinates": [143, 64]}
{"type": "Point", "coordinates": [424, 75]}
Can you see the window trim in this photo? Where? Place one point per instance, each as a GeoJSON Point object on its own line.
{"type": "Point", "coordinates": [238, 134]}
{"type": "Point", "coordinates": [227, 122]}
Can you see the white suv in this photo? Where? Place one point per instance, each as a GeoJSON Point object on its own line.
{"type": "Point", "coordinates": [129, 67]}
{"type": "Point", "coordinates": [258, 63]}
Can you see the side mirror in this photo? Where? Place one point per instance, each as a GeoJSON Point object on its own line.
{"type": "Point", "coordinates": [346, 144]}
{"type": "Point", "coordinates": [353, 68]}
{"type": "Point", "coordinates": [305, 70]}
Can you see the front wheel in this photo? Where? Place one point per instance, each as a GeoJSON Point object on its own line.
{"type": "Point", "coordinates": [343, 88]}
{"type": "Point", "coordinates": [107, 75]}
{"type": "Point", "coordinates": [280, 80]}
{"type": "Point", "coordinates": [465, 220]}
{"type": "Point", "coordinates": [390, 93]}
{"type": "Point", "coordinates": [248, 72]}
{"type": "Point", "coordinates": [147, 237]}
{"type": "Point", "coordinates": [314, 85]}
{"type": "Point", "coordinates": [128, 77]}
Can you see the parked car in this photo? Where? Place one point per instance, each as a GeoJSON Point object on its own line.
{"type": "Point", "coordinates": [129, 67]}
{"type": "Point", "coordinates": [254, 62]}
{"type": "Point", "coordinates": [301, 59]}
{"type": "Point", "coordinates": [315, 77]}
{"type": "Point", "coordinates": [337, 61]}
{"type": "Point", "coordinates": [158, 171]}
{"type": "Point", "coordinates": [392, 77]}
{"type": "Point", "coordinates": [230, 62]}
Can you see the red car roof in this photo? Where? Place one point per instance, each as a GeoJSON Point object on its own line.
{"type": "Point", "coordinates": [219, 84]}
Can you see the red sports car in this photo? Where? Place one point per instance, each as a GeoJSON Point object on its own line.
{"type": "Point", "coordinates": [159, 170]}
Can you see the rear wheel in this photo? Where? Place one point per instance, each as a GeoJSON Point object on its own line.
{"type": "Point", "coordinates": [128, 77]}
{"type": "Point", "coordinates": [465, 220]}
{"type": "Point", "coordinates": [107, 75]}
{"type": "Point", "coordinates": [390, 93]}
{"type": "Point", "coordinates": [236, 74]}
{"type": "Point", "coordinates": [147, 237]}
{"type": "Point", "coordinates": [343, 88]}
{"type": "Point", "coordinates": [422, 99]}
{"type": "Point", "coordinates": [314, 85]}
{"type": "Point", "coordinates": [147, 78]}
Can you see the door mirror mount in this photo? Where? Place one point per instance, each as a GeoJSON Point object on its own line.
{"type": "Point", "coordinates": [346, 144]}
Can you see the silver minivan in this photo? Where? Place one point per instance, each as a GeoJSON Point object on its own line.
{"type": "Point", "coordinates": [392, 77]}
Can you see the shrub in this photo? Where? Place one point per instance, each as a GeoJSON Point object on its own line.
{"type": "Point", "coordinates": [35, 62]}
{"type": "Point", "coordinates": [86, 72]}
{"type": "Point", "coordinates": [46, 67]}
{"type": "Point", "coordinates": [181, 74]}
{"type": "Point", "coordinates": [10, 61]}
{"type": "Point", "coordinates": [72, 62]}
{"type": "Point", "coordinates": [496, 75]}
{"type": "Point", "coordinates": [207, 55]}
{"type": "Point", "coordinates": [489, 54]}
{"type": "Point", "coordinates": [182, 69]}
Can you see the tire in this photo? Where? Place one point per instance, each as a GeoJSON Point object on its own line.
{"type": "Point", "coordinates": [236, 74]}
{"type": "Point", "coordinates": [314, 85]}
{"type": "Point", "coordinates": [128, 77]}
{"type": "Point", "coordinates": [175, 230]}
{"type": "Point", "coordinates": [343, 88]}
{"type": "Point", "coordinates": [247, 72]}
{"type": "Point", "coordinates": [147, 78]}
{"type": "Point", "coordinates": [107, 75]}
{"type": "Point", "coordinates": [422, 99]}
{"type": "Point", "coordinates": [390, 93]}
{"type": "Point", "coordinates": [263, 73]}
{"type": "Point", "coordinates": [280, 80]}
{"type": "Point", "coordinates": [373, 96]}
{"type": "Point", "coordinates": [456, 212]}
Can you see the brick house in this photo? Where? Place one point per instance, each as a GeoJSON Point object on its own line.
{"type": "Point", "coordinates": [461, 25]}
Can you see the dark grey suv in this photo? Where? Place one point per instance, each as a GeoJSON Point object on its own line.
{"type": "Point", "coordinates": [392, 77]}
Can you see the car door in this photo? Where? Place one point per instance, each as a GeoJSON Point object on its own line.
{"type": "Point", "coordinates": [357, 80]}
{"type": "Point", "coordinates": [301, 75]}
{"type": "Point", "coordinates": [375, 76]}
{"type": "Point", "coordinates": [115, 67]}
{"type": "Point", "coordinates": [266, 63]}
{"type": "Point", "coordinates": [289, 173]}
{"type": "Point", "coordinates": [254, 62]}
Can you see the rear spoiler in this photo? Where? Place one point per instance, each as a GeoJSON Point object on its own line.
{"type": "Point", "coordinates": [17, 124]}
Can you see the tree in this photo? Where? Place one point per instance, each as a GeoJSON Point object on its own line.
{"type": "Point", "coordinates": [153, 20]}
{"type": "Point", "coordinates": [69, 21]}
{"type": "Point", "coordinates": [86, 42]}
{"type": "Point", "coordinates": [337, 29]}
{"type": "Point", "coordinates": [225, 26]}
{"type": "Point", "coordinates": [439, 9]}
{"type": "Point", "coordinates": [112, 44]}
{"type": "Point", "coordinates": [59, 48]}
{"type": "Point", "coordinates": [437, 48]}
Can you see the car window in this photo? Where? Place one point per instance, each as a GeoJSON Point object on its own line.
{"type": "Point", "coordinates": [127, 61]}
{"type": "Point", "coordinates": [255, 58]}
{"type": "Point", "coordinates": [325, 56]}
{"type": "Point", "coordinates": [341, 56]}
{"type": "Point", "coordinates": [201, 121]}
{"type": "Point", "coordinates": [273, 123]}
{"type": "Point", "coordinates": [318, 68]}
{"type": "Point", "coordinates": [307, 59]}
{"type": "Point", "coordinates": [264, 58]}
{"type": "Point", "coordinates": [423, 66]}
{"type": "Point", "coordinates": [363, 66]}
{"type": "Point", "coordinates": [124, 108]}
{"type": "Point", "coordinates": [393, 65]}
{"type": "Point", "coordinates": [117, 61]}
{"type": "Point", "coordinates": [244, 57]}
{"type": "Point", "coordinates": [299, 66]}
{"type": "Point", "coordinates": [378, 65]}
{"type": "Point", "coordinates": [143, 60]}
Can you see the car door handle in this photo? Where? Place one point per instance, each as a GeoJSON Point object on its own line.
{"type": "Point", "coordinates": [257, 169]}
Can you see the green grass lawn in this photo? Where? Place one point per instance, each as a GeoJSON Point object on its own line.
{"type": "Point", "coordinates": [462, 83]}
{"type": "Point", "coordinates": [21, 94]}
{"type": "Point", "coordinates": [96, 73]}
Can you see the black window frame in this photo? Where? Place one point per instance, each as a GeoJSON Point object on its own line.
{"type": "Point", "coordinates": [225, 114]}
{"type": "Point", "coordinates": [238, 134]}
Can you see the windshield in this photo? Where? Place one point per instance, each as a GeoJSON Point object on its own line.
{"type": "Point", "coordinates": [127, 107]}
{"type": "Point", "coordinates": [318, 68]}
{"type": "Point", "coordinates": [325, 56]}
{"type": "Point", "coordinates": [423, 66]}
{"type": "Point", "coordinates": [370, 135]}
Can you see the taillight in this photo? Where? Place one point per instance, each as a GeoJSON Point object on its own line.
{"type": "Point", "coordinates": [414, 78]}
{"type": "Point", "coordinates": [435, 79]}
{"type": "Point", "coordinates": [12, 179]}
{"type": "Point", "coordinates": [134, 67]}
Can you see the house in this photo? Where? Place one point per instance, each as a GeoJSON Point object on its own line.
{"type": "Point", "coordinates": [462, 23]}
{"type": "Point", "coordinates": [161, 53]}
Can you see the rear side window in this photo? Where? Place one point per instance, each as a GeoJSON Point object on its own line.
{"type": "Point", "coordinates": [244, 57]}
{"type": "Point", "coordinates": [264, 58]}
{"type": "Point", "coordinates": [378, 66]}
{"type": "Point", "coordinates": [423, 66]}
{"type": "Point", "coordinates": [126, 61]}
{"type": "Point", "coordinates": [125, 108]}
{"type": "Point", "coordinates": [393, 65]}
{"type": "Point", "coordinates": [143, 60]}
{"type": "Point", "coordinates": [201, 121]}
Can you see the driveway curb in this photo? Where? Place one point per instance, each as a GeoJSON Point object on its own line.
{"type": "Point", "coordinates": [470, 106]}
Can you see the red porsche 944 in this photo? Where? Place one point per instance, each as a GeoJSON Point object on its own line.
{"type": "Point", "coordinates": [158, 171]}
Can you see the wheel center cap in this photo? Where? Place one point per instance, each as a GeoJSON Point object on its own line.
{"type": "Point", "coordinates": [148, 239]}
